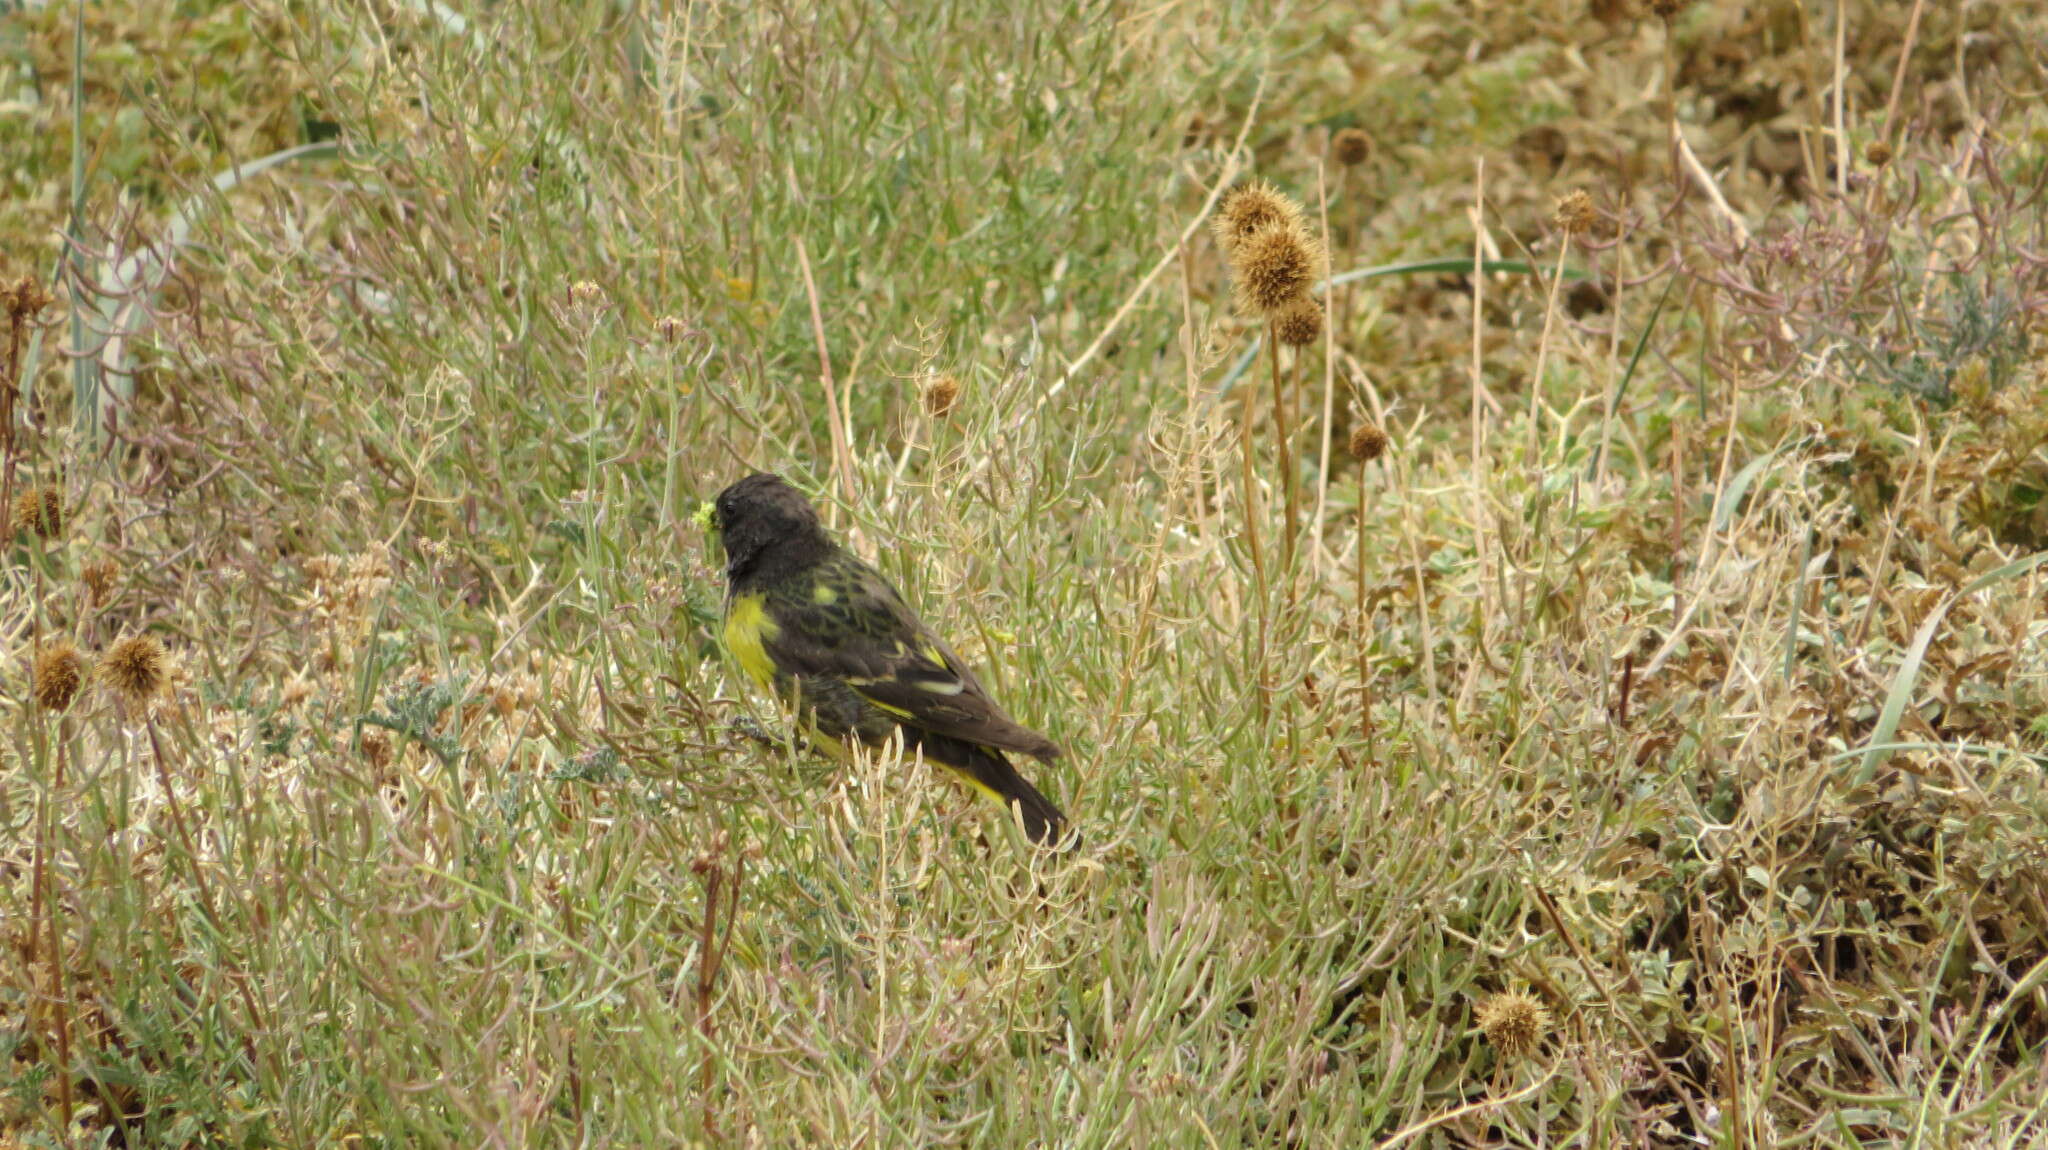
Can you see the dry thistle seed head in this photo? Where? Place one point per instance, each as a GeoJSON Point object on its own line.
{"type": "Point", "coordinates": [1514, 1022]}
{"type": "Point", "coordinates": [98, 577]}
{"type": "Point", "coordinates": [712, 855]}
{"type": "Point", "coordinates": [40, 511]}
{"type": "Point", "coordinates": [1251, 208]}
{"type": "Point", "coordinates": [376, 748]}
{"type": "Point", "coordinates": [1574, 214]}
{"type": "Point", "coordinates": [295, 691]}
{"type": "Point", "coordinates": [57, 673]}
{"type": "Point", "coordinates": [1368, 442]}
{"type": "Point", "coordinates": [1351, 147]}
{"type": "Point", "coordinates": [134, 669]}
{"type": "Point", "coordinates": [1273, 267]}
{"type": "Point", "coordinates": [941, 392]}
{"type": "Point", "coordinates": [26, 299]}
{"type": "Point", "coordinates": [1299, 323]}
{"type": "Point", "coordinates": [1879, 153]}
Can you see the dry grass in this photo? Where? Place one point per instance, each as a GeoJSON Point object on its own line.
{"type": "Point", "coordinates": [1666, 702]}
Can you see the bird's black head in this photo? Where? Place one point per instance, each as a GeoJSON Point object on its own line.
{"type": "Point", "coordinates": [768, 529]}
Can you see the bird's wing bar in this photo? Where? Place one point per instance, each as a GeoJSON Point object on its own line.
{"type": "Point", "coordinates": [882, 652]}
{"type": "Point", "coordinates": [927, 686]}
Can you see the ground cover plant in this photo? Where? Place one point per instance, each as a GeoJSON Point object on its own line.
{"type": "Point", "coordinates": [1562, 663]}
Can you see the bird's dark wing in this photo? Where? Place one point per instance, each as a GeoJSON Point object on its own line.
{"type": "Point", "coordinates": [847, 623]}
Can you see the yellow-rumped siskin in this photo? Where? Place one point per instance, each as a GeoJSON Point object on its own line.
{"type": "Point", "coordinates": [831, 636]}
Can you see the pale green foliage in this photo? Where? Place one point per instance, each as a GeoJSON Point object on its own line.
{"type": "Point", "coordinates": [1712, 723]}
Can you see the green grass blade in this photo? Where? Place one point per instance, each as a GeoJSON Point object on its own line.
{"type": "Point", "coordinates": [1629, 373]}
{"type": "Point", "coordinates": [1880, 745]}
{"type": "Point", "coordinates": [1901, 693]}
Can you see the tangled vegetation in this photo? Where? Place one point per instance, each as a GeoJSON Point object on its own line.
{"type": "Point", "coordinates": [1558, 660]}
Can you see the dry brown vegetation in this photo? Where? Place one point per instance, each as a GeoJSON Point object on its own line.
{"type": "Point", "coordinates": [1636, 737]}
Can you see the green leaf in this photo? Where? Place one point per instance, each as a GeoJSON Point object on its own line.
{"type": "Point", "coordinates": [1877, 748]}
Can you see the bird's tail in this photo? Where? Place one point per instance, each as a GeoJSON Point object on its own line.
{"type": "Point", "coordinates": [989, 772]}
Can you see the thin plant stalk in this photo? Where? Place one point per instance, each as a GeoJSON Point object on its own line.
{"type": "Point", "coordinates": [84, 383]}
{"type": "Point", "coordinates": [1331, 299]}
{"type": "Point", "coordinates": [1251, 531]}
{"type": "Point", "coordinates": [1671, 101]}
{"type": "Point", "coordinates": [42, 907]}
{"type": "Point", "coordinates": [261, 1022]}
{"type": "Point", "coordinates": [1841, 96]}
{"type": "Point", "coordinates": [1536, 404]}
{"type": "Point", "coordinates": [60, 994]}
{"type": "Point", "coordinates": [842, 455]}
{"type": "Point", "coordinates": [1479, 399]}
{"type": "Point", "coordinates": [719, 895]}
{"type": "Point", "coordinates": [672, 449]}
{"type": "Point", "coordinates": [1364, 636]}
{"type": "Point", "coordinates": [1286, 456]}
{"type": "Point", "coordinates": [10, 455]}
{"type": "Point", "coordinates": [42, 922]}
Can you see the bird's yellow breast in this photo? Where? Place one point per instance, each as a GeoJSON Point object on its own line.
{"type": "Point", "coordinates": [747, 631]}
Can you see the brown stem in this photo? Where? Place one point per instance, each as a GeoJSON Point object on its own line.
{"type": "Point", "coordinates": [713, 939]}
{"type": "Point", "coordinates": [9, 389]}
{"type": "Point", "coordinates": [12, 384]}
{"type": "Point", "coordinates": [163, 775]}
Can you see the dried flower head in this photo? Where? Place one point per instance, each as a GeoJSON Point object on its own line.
{"type": "Point", "coordinates": [1251, 208]}
{"type": "Point", "coordinates": [39, 511]}
{"type": "Point", "coordinates": [25, 299]}
{"type": "Point", "coordinates": [941, 392]}
{"type": "Point", "coordinates": [1273, 267]}
{"type": "Point", "coordinates": [134, 668]}
{"type": "Point", "coordinates": [710, 857]}
{"type": "Point", "coordinates": [57, 672]}
{"type": "Point", "coordinates": [98, 578]}
{"type": "Point", "coordinates": [1368, 442]}
{"type": "Point", "coordinates": [1879, 153]}
{"type": "Point", "coordinates": [1666, 9]}
{"type": "Point", "coordinates": [376, 748]}
{"type": "Point", "coordinates": [671, 329]}
{"type": "Point", "coordinates": [1574, 214]}
{"type": "Point", "coordinates": [1514, 1022]}
{"type": "Point", "coordinates": [296, 690]}
{"type": "Point", "coordinates": [586, 293]}
{"type": "Point", "coordinates": [1351, 147]}
{"type": "Point", "coordinates": [1299, 323]}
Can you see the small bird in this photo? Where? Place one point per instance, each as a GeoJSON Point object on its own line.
{"type": "Point", "coordinates": [828, 633]}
